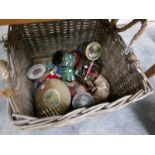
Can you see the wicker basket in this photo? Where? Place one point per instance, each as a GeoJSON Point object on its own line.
{"type": "Point", "coordinates": [128, 83]}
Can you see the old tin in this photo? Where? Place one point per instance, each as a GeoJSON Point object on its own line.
{"type": "Point", "coordinates": [36, 71]}
{"type": "Point", "coordinates": [87, 71]}
{"type": "Point", "coordinates": [45, 60]}
{"type": "Point", "coordinates": [93, 51]}
{"type": "Point", "coordinates": [68, 74]}
{"type": "Point", "coordinates": [90, 50]}
{"type": "Point", "coordinates": [52, 98]}
{"type": "Point", "coordinates": [82, 99]}
{"type": "Point", "coordinates": [69, 59]}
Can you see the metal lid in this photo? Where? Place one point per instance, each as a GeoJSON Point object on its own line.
{"type": "Point", "coordinates": [36, 71]}
{"type": "Point", "coordinates": [93, 51]}
{"type": "Point", "coordinates": [82, 99]}
{"type": "Point", "coordinates": [53, 97]}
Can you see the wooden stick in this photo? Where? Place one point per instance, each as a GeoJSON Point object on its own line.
{"type": "Point", "coordinates": [150, 72]}
{"type": "Point", "coordinates": [24, 21]}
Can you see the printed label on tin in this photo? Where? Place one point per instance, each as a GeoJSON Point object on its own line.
{"type": "Point", "coordinates": [51, 98]}
{"type": "Point", "coordinates": [93, 51]}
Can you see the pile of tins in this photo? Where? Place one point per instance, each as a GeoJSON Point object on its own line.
{"type": "Point", "coordinates": [68, 80]}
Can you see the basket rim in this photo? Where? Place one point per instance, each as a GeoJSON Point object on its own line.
{"type": "Point", "coordinates": [30, 123]}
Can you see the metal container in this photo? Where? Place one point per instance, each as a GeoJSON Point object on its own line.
{"type": "Point", "coordinates": [93, 51]}
{"type": "Point", "coordinates": [90, 50]}
{"type": "Point", "coordinates": [68, 74]}
{"type": "Point", "coordinates": [82, 99]}
{"type": "Point", "coordinates": [52, 98]}
{"type": "Point", "coordinates": [45, 60]}
{"type": "Point", "coordinates": [36, 71]}
{"type": "Point", "coordinates": [82, 71]}
{"type": "Point", "coordinates": [69, 59]}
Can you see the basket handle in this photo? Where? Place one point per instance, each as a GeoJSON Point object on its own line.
{"type": "Point", "coordinates": [133, 22]}
{"type": "Point", "coordinates": [9, 90]}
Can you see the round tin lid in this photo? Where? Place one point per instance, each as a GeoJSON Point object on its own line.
{"type": "Point", "coordinates": [82, 99]}
{"type": "Point", "coordinates": [36, 71]}
{"type": "Point", "coordinates": [53, 95]}
{"type": "Point", "coordinates": [93, 51]}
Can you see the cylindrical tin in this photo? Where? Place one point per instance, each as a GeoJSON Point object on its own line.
{"type": "Point", "coordinates": [45, 60]}
{"type": "Point", "coordinates": [90, 50]}
{"type": "Point", "coordinates": [69, 59]}
{"type": "Point", "coordinates": [36, 71]}
{"type": "Point", "coordinates": [93, 51]}
{"type": "Point", "coordinates": [88, 71]}
{"type": "Point", "coordinates": [68, 74]}
{"type": "Point", "coordinates": [82, 99]}
{"type": "Point", "coordinates": [52, 98]}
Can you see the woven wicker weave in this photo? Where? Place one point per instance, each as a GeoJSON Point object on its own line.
{"type": "Point", "coordinates": [128, 83]}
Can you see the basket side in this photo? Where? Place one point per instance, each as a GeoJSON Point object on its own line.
{"type": "Point", "coordinates": [47, 38]}
{"type": "Point", "coordinates": [19, 55]}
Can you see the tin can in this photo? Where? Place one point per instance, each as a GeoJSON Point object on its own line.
{"type": "Point", "coordinates": [90, 50]}
{"type": "Point", "coordinates": [36, 71]}
{"type": "Point", "coordinates": [88, 71]}
{"type": "Point", "coordinates": [68, 74]}
{"type": "Point", "coordinates": [69, 59]}
{"type": "Point", "coordinates": [93, 51]}
{"type": "Point", "coordinates": [52, 98]}
{"type": "Point", "coordinates": [45, 60]}
{"type": "Point", "coordinates": [82, 99]}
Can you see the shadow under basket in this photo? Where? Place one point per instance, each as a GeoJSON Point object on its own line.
{"type": "Point", "coordinates": [127, 81]}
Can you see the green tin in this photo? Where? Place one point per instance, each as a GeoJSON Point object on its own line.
{"type": "Point", "coordinates": [68, 74]}
{"type": "Point", "coordinates": [69, 59]}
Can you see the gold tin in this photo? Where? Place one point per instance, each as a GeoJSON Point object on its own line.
{"type": "Point", "coordinates": [52, 98]}
{"type": "Point", "coordinates": [93, 51]}
{"type": "Point", "coordinates": [45, 60]}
